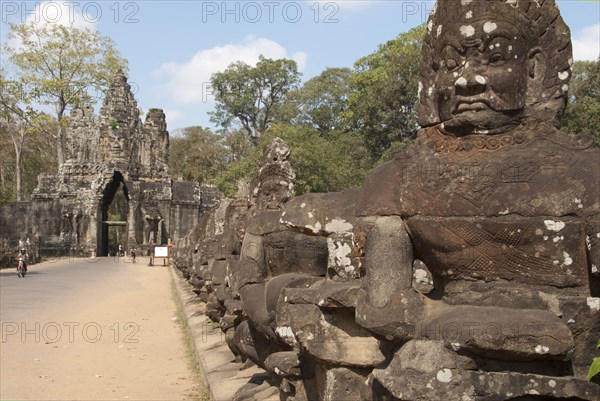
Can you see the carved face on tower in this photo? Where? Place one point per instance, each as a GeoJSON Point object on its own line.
{"type": "Point", "coordinates": [113, 144]}
{"type": "Point", "coordinates": [487, 68]}
{"type": "Point", "coordinates": [117, 144]}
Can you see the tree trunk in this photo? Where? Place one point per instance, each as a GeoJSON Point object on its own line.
{"type": "Point", "coordinates": [60, 154]}
{"type": "Point", "coordinates": [18, 143]}
{"type": "Point", "coordinates": [18, 174]}
{"type": "Point", "coordinates": [60, 158]}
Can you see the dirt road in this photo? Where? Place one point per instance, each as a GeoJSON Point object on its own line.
{"type": "Point", "coordinates": [92, 330]}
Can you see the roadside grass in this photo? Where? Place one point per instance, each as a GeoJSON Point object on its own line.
{"type": "Point", "coordinates": [200, 391]}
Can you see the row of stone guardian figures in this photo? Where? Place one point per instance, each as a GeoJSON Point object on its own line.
{"type": "Point", "coordinates": [466, 268]}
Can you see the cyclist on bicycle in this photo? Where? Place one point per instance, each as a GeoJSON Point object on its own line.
{"type": "Point", "coordinates": [22, 258]}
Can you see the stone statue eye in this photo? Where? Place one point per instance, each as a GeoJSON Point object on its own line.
{"type": "Point", "coordinates": [496, 58]}
{"type": "Point", "coordinates": [451, 64]}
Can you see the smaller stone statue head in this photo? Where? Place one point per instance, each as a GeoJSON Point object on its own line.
{"type": "Point", "coordinates": [274, 184]}
{"type": "Point", "coordinates": [489, 65]}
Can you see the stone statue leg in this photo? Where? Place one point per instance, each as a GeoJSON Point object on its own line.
{"type": "Point", "coordinates": [387, 304]}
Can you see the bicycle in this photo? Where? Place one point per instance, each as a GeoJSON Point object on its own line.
{"type": "Point", "coordinates": [21, 268]}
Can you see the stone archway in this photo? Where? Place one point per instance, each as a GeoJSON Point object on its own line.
{"type": "Point", "coordinates": [106, 220]}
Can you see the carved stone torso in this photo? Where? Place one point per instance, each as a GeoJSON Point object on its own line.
{"type": "Point", "coordinates": [541, 172]}
{"type": "Point", "coordinates": [514, 207]}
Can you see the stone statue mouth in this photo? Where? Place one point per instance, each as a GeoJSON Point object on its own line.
{"type": "Point", "coordinates": [470, 105]}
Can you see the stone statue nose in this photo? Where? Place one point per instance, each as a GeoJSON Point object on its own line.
{"type": "Point", "coordinates": [469, 84]}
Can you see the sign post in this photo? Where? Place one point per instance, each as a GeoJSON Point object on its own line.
{"type": "Point", "coordinates": [161, 252]}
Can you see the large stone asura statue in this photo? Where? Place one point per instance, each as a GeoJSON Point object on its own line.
{"type": "Point", "coordinates": [464, 269]}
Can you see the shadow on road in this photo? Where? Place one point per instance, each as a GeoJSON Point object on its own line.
{"type": "Point", "coordinates": [13, 272]}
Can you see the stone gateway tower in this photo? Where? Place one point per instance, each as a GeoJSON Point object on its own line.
{"type": "Point", "coordinates": [114, 154]}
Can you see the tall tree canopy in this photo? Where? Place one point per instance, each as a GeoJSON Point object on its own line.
{"type": "Point", "coordinates": [253, 96]}
{"type": "Point", "coordinates": [583, 111]}
{"type": "Point", "coordinates": [15, 125]}
{"type": "Point", "coordinates": [24, 130]}
{"type": "Point", "coordinates": [198, 154]}
{"type": "Point", "coordinates": [62, 66]}
{"type": "Point", "coordinates": [383, 103]}
{"type": "Point", "coordinates": [322, 100]}
{"type": "Point", "coordinates": [324, 163]}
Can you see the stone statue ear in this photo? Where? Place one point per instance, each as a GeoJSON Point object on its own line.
{"type": "Point", "coordinates": [535, 62]}
{"type": "Point", "coordinates": [536, 70]}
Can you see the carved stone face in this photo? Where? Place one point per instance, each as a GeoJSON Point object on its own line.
{"type": "Point", "coordinates": [482, 78]}
{"type": "Point", "coordinates": [273, 194]}
{"type": "Point", "coordinates": [117, 144]}
{"type": "Point", "coordinates": [498, 91]}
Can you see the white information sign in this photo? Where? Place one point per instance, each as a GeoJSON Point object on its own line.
{"type": "Point", "coordinates": [161, 251]}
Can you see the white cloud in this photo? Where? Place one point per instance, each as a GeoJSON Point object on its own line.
{"type": "Point", "coordinates": [189, 82]}
{"type": "Point", "coordinates": [301, 58]}
{"type": "Point", "coordinates": [586, 44]}
{"type": "Point", "coordinates": [56, 12]}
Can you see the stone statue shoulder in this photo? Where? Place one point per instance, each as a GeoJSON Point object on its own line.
{"type": "Point", "coordinates": [532, 171]}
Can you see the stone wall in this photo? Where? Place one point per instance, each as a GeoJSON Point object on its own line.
{"type": "Point", "coordinates": [34, 226]}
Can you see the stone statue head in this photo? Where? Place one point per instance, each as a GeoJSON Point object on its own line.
{"type": "Point", "coordinates": [274, 184]}
{"type": "Point", "coordinates": [490, 65]}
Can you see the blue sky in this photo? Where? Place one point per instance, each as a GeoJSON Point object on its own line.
{"type": "Point", "coordinates": [173, 47]}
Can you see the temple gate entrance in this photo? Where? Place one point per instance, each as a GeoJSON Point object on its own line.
{"type": "Point", "coordinates": [112, 216]}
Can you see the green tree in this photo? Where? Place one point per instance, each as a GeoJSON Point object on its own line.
{"type": "Point", "coordinates": [14, 127]}
{"type": "Point", "coordinates": [383, 103]}
{"type": "Point", "coordinates": [323, 163]}
{"type": "Point", "coordinates": [594, 371]}
{"type": "Point", "coordinates": [583, 111]}
{"type": "Point", "coordinates": [253, 96]}
{"type": "Point", "coordinates": [322, 100]}
{"type": "Point", "coordinates": [197, 154]}
{"type": "Point", "coordinates": [39, 157]}
{"type": "Point", "coordinates": [237, 146]}
{"type": "Point", "coordinates": [27, 155]}
{"type": "Point", "coordinates": [62, 66]}
{"type": "Point", "coordinates": [23, 128]}
{"type": "Point", "coordinates": [245, 168]}
{"type": "Point", "coordinates": [241, 162]}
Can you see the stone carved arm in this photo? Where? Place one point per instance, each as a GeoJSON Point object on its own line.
{"type": "Point", "coordinates": [387, 304]}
